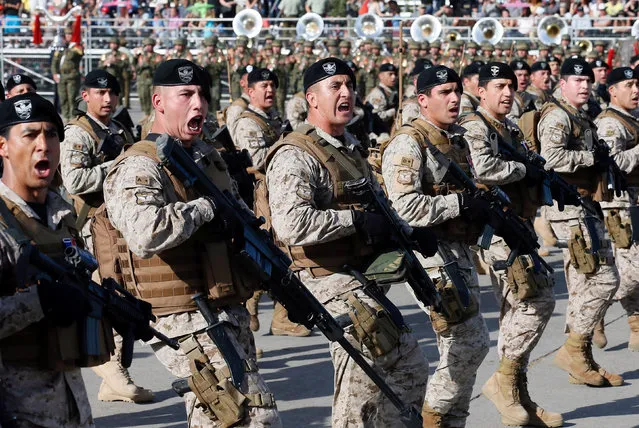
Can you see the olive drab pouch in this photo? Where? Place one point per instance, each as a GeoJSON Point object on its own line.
{"type": "Point", "coordinates": [619, 229]}
{"type": "Point", "coordinates": [387, 268]}
{"type": "Point", "coordinates": [373, 326]}
{"type": "Point", "coordinates": [524, 280]}
{"type": "Point", "coordinates": [581, 257]}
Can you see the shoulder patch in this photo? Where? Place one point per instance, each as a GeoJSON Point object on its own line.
{"type": "Point", "coordinates": [304, 192]}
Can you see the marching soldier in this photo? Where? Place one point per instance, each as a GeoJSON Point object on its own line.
{"type": "Point", "coordinates": [282, 68]}
{"type": "Point", "coordinates": [114, 61]}
{"type": "Point", "coordinates": [620, 130]}
{"type": "Point", "coordinates": [410, 106]}
{"type": "Point", "coordinates": [591, 276]}
{"type": "Point", "coordinates": [296, 110]}
{"type": "Point", "coordinates": [240, 104]}
{"type": "Point", "coordinates": [322, 227]}
{"type": "Point", "coordinates": [544, 53]}
{"type": "Point", "coordinates": [521, 101]}
{"type": "Point", "coordinates": [521, 51]}
{"type": "Point", "coordinates": [523, 292]}
{"type": "Point", "coordinates": [538, 90]}
{"type": "Point", "coordinates": [555, 67]}
{"type": "Point", "coordinates": [384, 99]}
{"type": "Point", "coordinates": [157, 221]}
{"type": "Point", "coordinates": [38, 386]}
{"type": "Point", "coordinates": [414, 188]}
{"type": "Point", "coordinates": [240, 59]}
{"type": "Point", "coordinates": [487, 51]}
{"type": "Point", "coordinates": [92, 142]}
{"type": "Point", "coordinates": [470, 97]}
{"type": "Point", "coordinates": [215, 65]}
{"type": "Point", "coordinates": [256, 130]}
{"type": "Point", "coordinates": [599, 89]}
{"type": "Point", "coordinates": [146, 64]}
{"type": "Point", "coordinates": [18, 84]}
{"type": "Point", "coordinates": [344, 50]}
{"type": "Point", "coordinates": [65, 68]}
{"type": "Point", "coordinates": [435, 52]}
{"type": "Point", "coordinates": [127, 76]}
{"type": "Point", "coordinates": [180, 50]}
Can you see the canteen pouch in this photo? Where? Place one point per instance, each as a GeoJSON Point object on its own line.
{"type": "Point", "coordinates": [581, 256]}
{"type": "Point", "coordinates": [619, 229]}
{"type": "Point", "coordinates": [373, 327]}
{"type": "Point", "coordinates": [524, 280]}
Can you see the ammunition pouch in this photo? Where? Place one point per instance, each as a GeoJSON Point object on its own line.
{"type": "Point", "coordinates": [581, 256]}
{"type": "Point", "coordinates": [452, 306]}
{"type": "Point", "coordinates": [217, 397]}
{"type": "Point", "coordinates": [524, 281]}
{"type": "Point", "coordinates": [619, 229]}
{"type": "Point", "coordinates": [373, 326]}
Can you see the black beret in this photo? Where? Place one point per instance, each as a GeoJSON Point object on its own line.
{"type": "Point", "coordinates": [182, 72]}
{"type": "Point", "coordinates": [325, 68]}
{"type": "Point", "coordinates": [496, 70]}
{"type": "Point", "coordinates": [387, 66]}
{"type": "Point", "coordinates": [472, 68]}
{"type": "Point", "coordinates": [20, 79]}
{"type": "Point", "coordinates": [577, 66]}
{"type": "Point", "coordinates": [261, 75]}
{"type": "Point", "coordinates": [540, 66]}
{"type": "Point", "coordinates": [435, 76]}
{"type": "Point", "coordinates": [620, 74]}
{"type": "Point", "coordinates": [519, 65]}
{"type": "Point", "coordinates": [598, 63]}
{"type": "Point", "coordinates": [553, 58]}
{"type": "Point", "coordinates": [421, 64]}
{"type": "Point", "coordinates": [30, 107]}
{"type": "Point", "coordinates": [102, 79]}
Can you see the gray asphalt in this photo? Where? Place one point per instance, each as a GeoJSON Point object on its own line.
{"type": "Point", "coordinates": [299, 372]}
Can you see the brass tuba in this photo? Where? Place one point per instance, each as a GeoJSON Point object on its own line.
{"type": "Point", "coordinates": [634, 31]}
{"type": "Point", "coordinates": [550, 30]}
{"type": "Point", "coordinates": [247, 23]}
{"type": "Point", "coordinates": [452, 36]}
{"type": "Point", "coordinates": [585, 46]}
{"type": "Point", "coordinates": [487, 30]}
{"type": "Point", "coordinates": [369, 26]}
{"type": "Point", "coordinates": [310, 26]}
{"type": "Point", "coordinates": [426, 28]}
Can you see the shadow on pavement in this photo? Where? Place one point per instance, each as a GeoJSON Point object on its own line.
{"type": "Point", "coordinates": [306, 417]}
{"type": "Point", "coordinates": [172, 416]}
{"type": "Point", "coordinates": [624, 406]}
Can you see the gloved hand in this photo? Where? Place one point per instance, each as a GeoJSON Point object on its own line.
{"type": "Point", "coordinates": [534, 175]}
{"type": "Point", "coordinates": [426, 241]}
{"type": "Point", "coordinates": [475, 209]}
{"type": "Point", "coordinates": [371, 226]}
{"type": "Point", "coordinates": [602, 157]}
{"type": "Point", "coordinates": [62, 304]}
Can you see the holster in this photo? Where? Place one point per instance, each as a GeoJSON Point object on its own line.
{"type": "Point", "coordinates": [581, 257]}
{"type": "Point", "coordinates": [373, 326]}
{"type": "Point", "coordinates": [452, 306]}
{"type": "Point", "coordinates": [524, 280]}
{"type": "Point", "coordinates": [217, 397]}
{"type": "Point", "coordinates": [619, 229]}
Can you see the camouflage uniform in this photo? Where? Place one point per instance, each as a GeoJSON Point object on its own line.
{"type": "Point", "coordinates": [296, 110]}
{"type": "Point", "coordinates": [234, 111]}
{"type": "Point", "coordinates": [462, 346]}
{"type": "Point", "coordinates": [524, 320]}
{"type": "Point", "coordinates": [298, 184]}
{"type": "Point", "coordinates": [239, 61]}
{"type": "Point", "coordinates": [537, 96]}
{"type": "Point", "coordinates": [277, 63]}
{"type": "Point", "coordinates": [247, 133]}
{"type": "Point", "coordinates": [215, 65]}
{"type": "Point", "coordinates": [146, 64]}
{"type": "Point", "coordinates": [468, 103]}
{"type": "Point", "coordinates": [385, 102]}
{"type": "Point", "coordinates": [117, 64]}
{"type": "Point", "coordinates": [623, 148]}
{"type": "Point", "coordinates": [66, 63]}
{"type": "Point", "coordinates": [589, 294]}
{"type": "Point", "coordinates": [137, 196]}
{"type": "Point", "coordinates": [174, 53]}
{"type": "Point", "coordinates": [410, 110]}
{"type": "Point", "coordinates": [35, 396]}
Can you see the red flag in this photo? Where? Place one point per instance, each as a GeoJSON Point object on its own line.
{"type": "Point", "coordinates": [611, 57]}
{"type": "Point", "coordinates": [37, 31]}
{"type": "Point", "coordinates": [364, 8]}
{"type": "Point", "coordinates": [77, 30]}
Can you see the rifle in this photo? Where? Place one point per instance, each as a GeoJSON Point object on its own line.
{"type": "Point", "coordinates": [130, 315]}
{"type": "Point", "coordinates": [616, 178]}
{"type": "Point", "coordinates": [259, 254]}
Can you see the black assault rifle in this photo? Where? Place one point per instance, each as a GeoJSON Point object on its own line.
{"type": "Point", "coordinates": [259, 253]}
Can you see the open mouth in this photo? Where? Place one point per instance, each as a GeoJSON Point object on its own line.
{"type": "Point", "coordinates": [344, 107]}
{"type": "Point", "coordinates": [195, 124]}
{"type": "Point", "coordinates": [43, 168]}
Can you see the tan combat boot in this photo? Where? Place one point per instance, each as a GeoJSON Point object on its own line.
{"type": "Point", "coordinates": [538, 417]}
{"type": "Point", "coordinates": [503, 390]}
{"type": "Point", "coordinates": [575, 358]}
{"type": "Point", "coordinates": [599, 335]}
{"type": "Point", "coordinates": [431, 418]}
{"type": "Point", "coordinates": [251, 306]}
{"type": "Point", "coordinates": [633, 343]}
{"type": "Point", "coordinates": [117, 385]}
{"type": "Point", "coordinates": [610, 379]}
{"type": "Point", "coordinates": [282, 326]}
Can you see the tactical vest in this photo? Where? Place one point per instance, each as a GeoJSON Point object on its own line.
{"type": "Point", "coordinates": [270, 134]}
{"type": "Point", "coordinates": [329, 257]}
{"type": "Point", "coordinates": [525, 200]}
{"type": "Point", "coordinates": [632, 125]}
{"type": "Point", "coordinates": [588, 180]}
{"type": "Point", "coordinates": [41, 344]}
{"type": "Point", "coordinates": [169, 279]}
{"type": "Point", "coordinates": [86, 204]}
{"type": "Point", "coordinates": [456, 229]}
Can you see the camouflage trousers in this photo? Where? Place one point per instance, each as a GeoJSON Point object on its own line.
{"type": "Point", "coordinates": [145, 91]}
{"type": "Point", "coordinates": [236, 322]}
{"type": "Point", "coordinates": [589, 296]}
{"type": "Point", "coordinates": [522, 320]}
{"type": "Point", "coordinates": [68, 89]}
{"type": "Point", "coordinates": [357, 401]}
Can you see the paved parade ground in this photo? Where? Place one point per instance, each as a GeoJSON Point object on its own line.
{"type": "Point", "coordinates": [300, 373]}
